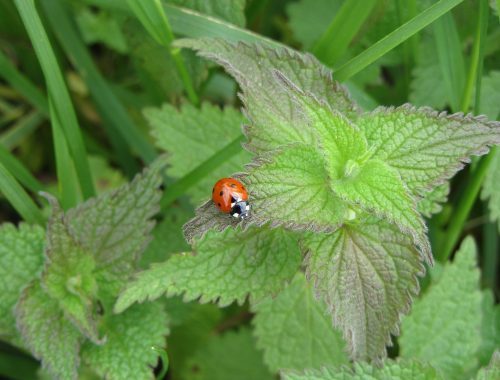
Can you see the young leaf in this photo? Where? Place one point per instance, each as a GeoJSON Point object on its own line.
{"type": "Point", "coordinates": [426, 147]}
{"type": "Point", "coordinates": [224, 267]}
{"type": "Point", "coordinates": [444, 325]}
{"type": "Point", "coordinates": [21, 259]}
{"type": "Point", "coordinates": [128, 352]}
{"type": "Point", "coordinates": [295, 332]}
{"type": "Point", "coordinates": [367, 275]}
{"type": "Point", "coordinates": [270, 110]}
{"type": "Point", "coordinates": [229, 356]}
{"type": "Point", "coordinates": [492, 372]}
{"type": "Point", "coordinates": [68, 275]}
{"type": "Point", "coordinates": [115, 227]}
{"type": "Point", "coordinates": [433, 200]}
{"type": "Point", "coordinates": [48, 334]}
{"type": "Point", "coordinates": [491, 187]}
{"type": "Point", "coordinates": [201, 132]}
{"type": "Point", "coordinates": [392, 370]}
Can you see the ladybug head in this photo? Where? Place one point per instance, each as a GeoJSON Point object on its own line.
{"type": "Point", "coordinates": [240, 209]}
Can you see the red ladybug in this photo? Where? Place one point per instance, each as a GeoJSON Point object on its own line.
{"type": "Point", "coordinates": [231, 197]}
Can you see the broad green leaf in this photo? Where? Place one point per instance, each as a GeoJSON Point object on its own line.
{"type": "Point", "coordinates": [50, 337]}
{"type": "Point", "coordinates": [269, 109]}
{"type": "Point", "coordinates": [443, 327]}
{"type": "Point", "coordinates": [492, 372]}
{"type": "Point", "coordinates": [21, 259]}
{"type": "Point", "coordinates": [367, 275]}
{"type": "Point", "coordinates": [433, 200]}
{"type": "Point", "coordinates": [490, 96]}
{"type": "Point", "coordinates": [391, 370]}
{"type": "Point", "coordinates": [490, 328]}
{"type": "Point", "coordinates": [68, 274]}
{"type": "Point", "coordinates": [377, 188]}
{"type": "Point", "coordinates": [201, 133]}
{"type": "Point", "coordinates": [295, 331]}
{"type": "Point", "coordinates": [229, 356]}
{"type": "Point", "coordinates": [128, 352]}
{"type": "Point", "coordinates": [426, 147]}
{"type": "Point", "coordinates": [308, 19]}
{"type": "Point", "coordinates": [115, 227]}
{"type": "Point", "coordinates": [491, 186]}
{"type": "Point", "coordinates": [224, 267]}
{"type": "Point", "coordinates": [232, 11]}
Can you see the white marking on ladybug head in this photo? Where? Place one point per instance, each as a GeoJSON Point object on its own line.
{"type": "Point", "coordinates": [232, 204]}
{"type": "Point", "coordinates": [236, 215]}
{"type": "Point", "coordinates": [247, 207]}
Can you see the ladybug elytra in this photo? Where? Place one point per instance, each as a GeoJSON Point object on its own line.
{"type": "Point", "coordinates": [231, 197]}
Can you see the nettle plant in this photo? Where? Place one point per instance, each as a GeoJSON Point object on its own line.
{"type": "Point", "coordinates": [329, 258]}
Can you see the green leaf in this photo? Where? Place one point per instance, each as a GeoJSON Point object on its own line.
{"type": "Point", "coordinates": [48, 334]}
{"type": "Point", "coordinates": [491, 372]}
{"type": "Point", "coordinates": [128, 352]}
{"type": "Point", "coordinates": [295, 331]}
{"type": "Point", "coordinates": [490, 328]}
{"type": "Point", "coordinates": [392, 370]}
{"type": "Point", "coordinates": [377, 188]}
{"type": "Point", "coordinates": [367, 275]}
{"type": "Point", "coordinates": [491, 186]}
{"type": "Point", "coordinates": [201, 132]}
{"type": "Point", "coordinates": [224, 267]}
{"type": "Point", "coordinates": [443, 327]}
{"type": "Point", "coordinates": [270, 110]}
{"type": "Point", "coordinates": [21, 259]}
{"type": "Point", "coordinates": [426, 147]}
{"type": "Point", "coordinates": [68, 275]}
{"type": "Point", "coordinates": [116, 227]}
{"type": "Point", "coordinates": [490, 96]}
{"type": "Point", "coordinates": [433, 200]}
{"type": "Point", "coordinates": [229, 356]}
{"type": "Point", "coordinates": [233, 11]}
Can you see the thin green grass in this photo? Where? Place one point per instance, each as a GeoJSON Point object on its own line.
{"type": "Point", "coordinates": [19, 171]}
{"type": "Point", "coordinates": [58, 94]}
{"type": "Point", "coordinates": [25, 126]}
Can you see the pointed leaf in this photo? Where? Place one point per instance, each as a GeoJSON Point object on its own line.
{"type": "Point", "coordinates": [367, 275]}
{"type": "Point", "coordinates": [129, 349]}
{"type": "Point", "coordinates": [224, 267]}
{"type": "Point", "coordinates": [202, 133]}
{"type": "Point", "coordinates": [377, 188]}
{"type": "Point", "coordinates": [116, 227]}
{"type": "Point", "coordinates": [295, 331]}
{"type": "Point", "coordinates": [68, 274]}
{"type": "Point", "coordinates": [426, 147]}
{"type": "Point", "coordinates": [271, 113]}
{"type": "Point", "coordinates": [50, 337]}
{"type": "Point", "coordinates": [391, 370]}
{"type": "Point", "coordinates": [21, 259]}
{"type": "Point", "coordinates": [444, 325]}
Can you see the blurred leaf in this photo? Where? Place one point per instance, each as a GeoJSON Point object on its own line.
{"type": "Point", "coordinates": [490, 96]}
{"type": "Point", "coordinates": [490, 328]}
{"type": "Point", "coordinates": [232, 11]}
{"type": "Point", "coordinates": [295, 331]}
{"type": "Point", "coordinates": [443, 327]}
{"type": "Point", "coordinates": [229, 356]}
{"type": "Point", "coordinates": [491, 186]}
{"type": "Point", "coordinates": [492, 372]}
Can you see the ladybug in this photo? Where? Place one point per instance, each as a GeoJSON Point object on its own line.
{"type": "Point", "coordinates": [231, 197]}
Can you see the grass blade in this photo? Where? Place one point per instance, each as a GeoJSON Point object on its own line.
{"type": "Point", "coordinates": [18, 198]}
{"type": "Point", "coordinates": [24, 127]}
{"type": "Point", "coordinates": [451, 59]}
{"type": "Point", "coordinates": [152, 16]}
{"type": "Point", "coordinates": [346, 24]}
{"type": "Point", "coordinates": [58, 93]}
{"type": "Point", "coordinates": [118, 123]}
{"type": "Point", "coordinates": [16, 167]}
{"type": "Point", "coordinates": [394, 38]}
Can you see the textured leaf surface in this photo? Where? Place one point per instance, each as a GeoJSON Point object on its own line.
{"type": "Point", "coordinates": [444, 325]}
{"type": "Point", "coordinates": [491, 186]}
{"type": "Point", "coordinates": [433, 201]}
{"type": "Point", "coordinates": [21, 259]}
{"type": "Point", "coordinates": [224, 267]}
{"type": "Point", "coordinates": [490, 328]}
{"type": "Point", "coordinates": [193, 135]}
{"type": "Point", "coordinates": [128, 352]}
{"type": "Point", "coordinates": [229, 356]}
{"type": "Point", "coordinates": [115, 227]}
{"type": "Point", "coordinates": [295, 331]}
{"type": "Point", "coordinates": [426, 147]}
{"type": "Point", "coordinates": [367, 275]}
{"type": "Point", "coordinates": [50, 336]}
{"type": "Point", "coordinates": [268, 106]}
{"type": "Point", "coordinates": [68, 275]}
{"type": "Point", "coordinates": [392, 370]}
{"type": "Point", "coordinates": [492, 372]}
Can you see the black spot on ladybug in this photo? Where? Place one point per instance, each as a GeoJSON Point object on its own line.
{"type": "Point", "coordinates": [218, 204]}
{"type": "Point", "coordinates": [221, 193]}
{"type": "Point", "coordinates": [233, 185]}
